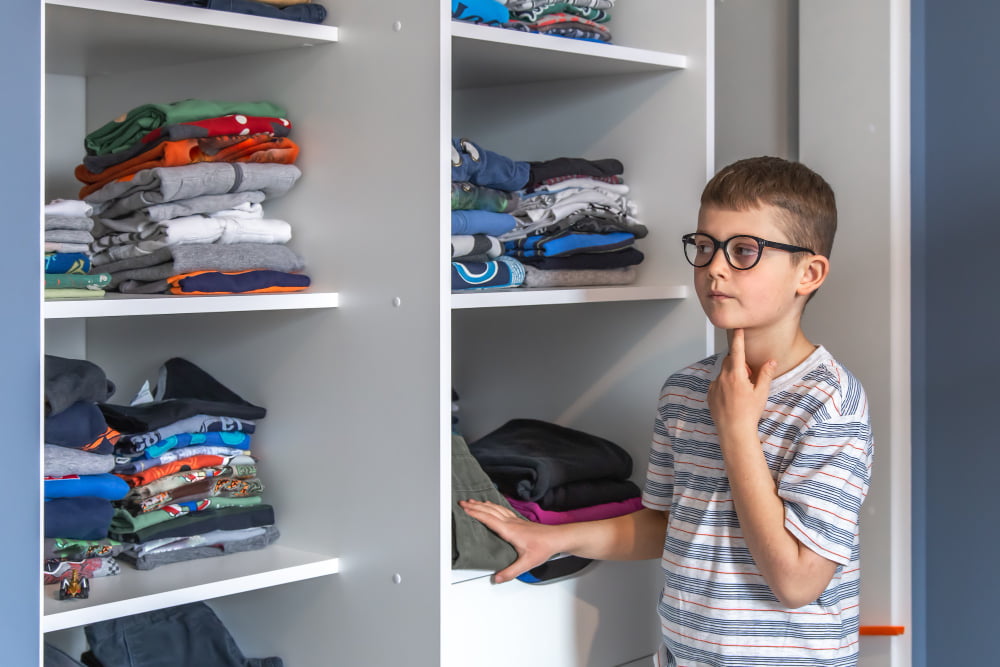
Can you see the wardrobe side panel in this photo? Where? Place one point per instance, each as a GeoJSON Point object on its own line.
{"type": "Point", "coordinates": [853, 131]}
{"type": "Point", "coordinates": [20, 387]}
{"type": "Point", "coordinates": [351, 437]}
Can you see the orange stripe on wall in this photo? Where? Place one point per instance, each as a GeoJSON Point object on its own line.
{"type": "Point", "coordinates": [883, 630]}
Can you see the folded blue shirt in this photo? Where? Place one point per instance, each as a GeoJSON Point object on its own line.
{"type": "Point", "coordinates": [568, 243]}
{"type": "Point", "coordinates": [105, 485]}
{"type": "Point", "coordinates": [481, 222]}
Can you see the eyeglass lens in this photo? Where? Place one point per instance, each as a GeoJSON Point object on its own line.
{"type": "Point", "coordinates": [742, 252]}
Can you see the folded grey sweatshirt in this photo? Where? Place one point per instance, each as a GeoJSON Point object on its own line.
{"type": "Point", "coordinates": [174, 260]}
{"type": "Point", "coordinates": [179, 209]}
{"type": "Point", "coordinates": [165, 184]}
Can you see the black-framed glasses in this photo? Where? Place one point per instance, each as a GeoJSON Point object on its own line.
{"type": "Point", "coordinates": [742, 251]}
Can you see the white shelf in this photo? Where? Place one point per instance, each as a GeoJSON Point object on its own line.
{"type": "Point", "coordinates": [121, 305]}
{"type": "Point", "coordinates": [490, 56]}
{"type": "Point", "coordinates": [136, 591]}
{"type": "Point", "coordinates": [550, 297]}
{"type": "Point", "coordinates": [87, 37]}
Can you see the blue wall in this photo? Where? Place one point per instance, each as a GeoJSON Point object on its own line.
{"type": "Point", "coordinates": [956, 205]}
{"type": "Point", "coordinates": [20, 190]}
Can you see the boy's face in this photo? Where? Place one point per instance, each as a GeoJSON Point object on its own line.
{"type": "Point", "coordinates": [765, 296]}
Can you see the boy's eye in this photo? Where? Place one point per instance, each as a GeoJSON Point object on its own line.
{"type": "Point", "coordinates": [743, 249]}
{"type": "Point", "coordinates": [703, 247]}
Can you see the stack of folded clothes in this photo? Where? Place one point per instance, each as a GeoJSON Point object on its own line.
{"type": "Point", "coordinates": [78, 487]}
{"type": "Point", "coordinates": [567, 222]}
{"type": "Point", "coordinates": [306, 11]}
{"type": "Point", "coordinates": [176, 191]}
{"type": "Point", "coordinates": [483, 197]}
{"type": "Point", "coordinates": [577, 19]}
{"type": "Point", "coordinates": [68, 236]}
{"type": "Point", "coordinates": [553, 474]}
{"type": "Point", "coordinates": [192, 485]}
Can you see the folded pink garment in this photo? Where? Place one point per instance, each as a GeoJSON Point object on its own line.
{"type": "Point", "coordinates": [533, 512]}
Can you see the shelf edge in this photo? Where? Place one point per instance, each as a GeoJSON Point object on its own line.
{"type": "Point", "coordinates": [316, 33]}
{"type": "Point", "coordinates": [78, 617]}
{"type": "Point", "coordinates": [480, 33]}
{"type": "Point", "coordinates": [551, 297]}
{"type": "Point", "coordinates": [184, 305]}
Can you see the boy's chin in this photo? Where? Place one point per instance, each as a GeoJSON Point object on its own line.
{"type": "Point", "coordinates": [726, 322]}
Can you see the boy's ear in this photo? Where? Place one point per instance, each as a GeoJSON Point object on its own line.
{"type": "Point", "coordinates": [812, 273]}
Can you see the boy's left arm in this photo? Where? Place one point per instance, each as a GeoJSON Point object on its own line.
{"type": "Point", "coordinates": [796, 574]}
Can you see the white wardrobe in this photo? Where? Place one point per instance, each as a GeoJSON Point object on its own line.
{"type": "Point", "coordinates": [357, 373]}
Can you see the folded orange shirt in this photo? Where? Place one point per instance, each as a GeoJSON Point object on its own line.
{"type": "Point", "coordinates": [181, 465]}
{"type": "Point", "coordinates": [253, 148]}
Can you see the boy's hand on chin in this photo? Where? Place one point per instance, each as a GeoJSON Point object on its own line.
{"type": "Point", "coordinates": [737, 398]}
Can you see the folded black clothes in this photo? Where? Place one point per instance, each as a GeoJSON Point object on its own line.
{"type": "Point", "coordinates": [225, 518]}
{"type": "Point", "coordinates": [573, 166]}
{"type": "Point", "coordinates": [183, 390]}
{"type": "Point", "coordinates": [473, 545]}
{"type": "Point", "coordinates": [587, 261]}
{"type": "Point", "coordinates": [189, 634]}
{"type": "Point", "coordinates": [586, 493]}
{"type": "Point", "coordinates": [527, 458]}
{"type": "Point", "coordinates": [70, 380]}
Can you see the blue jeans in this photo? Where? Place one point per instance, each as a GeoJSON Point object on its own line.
{"type": "Point", "coordinates": [189, 634]}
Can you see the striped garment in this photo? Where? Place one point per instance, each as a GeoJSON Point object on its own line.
{"type": "Point", "coordinates": [715, 607]}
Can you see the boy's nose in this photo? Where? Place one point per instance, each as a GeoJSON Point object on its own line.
{"type": "Point", "coordinates": [719, 264]}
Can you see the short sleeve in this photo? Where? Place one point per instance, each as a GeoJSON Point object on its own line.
{"type": "Point", "coordinates": [825, 484]}
{"type": "Point", "coordinates": [658, 491]}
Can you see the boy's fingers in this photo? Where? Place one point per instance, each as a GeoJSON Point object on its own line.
{"type": "Point", "coordinates": [512, 571]}
{"type": "Point", "coordinates": [736, 350]}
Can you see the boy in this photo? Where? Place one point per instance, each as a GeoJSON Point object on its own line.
{"type": "Point", "coordinates": [760, 459]}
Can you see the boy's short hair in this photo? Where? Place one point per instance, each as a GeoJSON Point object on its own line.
{"type": "Point", "coordinates": [810, 218]}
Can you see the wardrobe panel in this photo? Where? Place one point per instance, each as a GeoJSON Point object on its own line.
{"type": "Point", "coordinates": [350, 446]}
{"type": "Point", "coordinates": [862, 149]}
{"type": "Point", "coordinates": [605, 617]}
{"type": "Point", "coordinates": [65, 101]}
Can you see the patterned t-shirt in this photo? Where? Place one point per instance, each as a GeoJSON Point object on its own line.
{"type": "Point", "coordinates": [715, 608]}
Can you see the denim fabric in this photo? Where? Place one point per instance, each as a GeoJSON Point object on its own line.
{"type": "Point", "coordinates": [189, 634]}
{"type": "Point", "coordinates": [474, 164]}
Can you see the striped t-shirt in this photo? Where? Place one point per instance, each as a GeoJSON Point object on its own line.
{"type": "Point", "coordinates": [715, 608]}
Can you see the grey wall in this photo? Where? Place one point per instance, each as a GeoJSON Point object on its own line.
{"type": "Point", "coordinates": [20, 190]}
{"type": "Point", "coordinates": [756, 72]}
{"type": "Point", "coordinates": [956, 140]}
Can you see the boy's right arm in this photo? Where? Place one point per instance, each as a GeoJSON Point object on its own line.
{"type": "Point", "coordinates": [635, 536]}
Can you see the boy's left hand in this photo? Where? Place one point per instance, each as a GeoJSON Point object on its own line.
{"type": "Point", "coordinates": [736, 398]}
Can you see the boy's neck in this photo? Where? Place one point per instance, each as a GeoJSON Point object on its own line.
{"type": "Point", "coordinates": [787, 347]}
